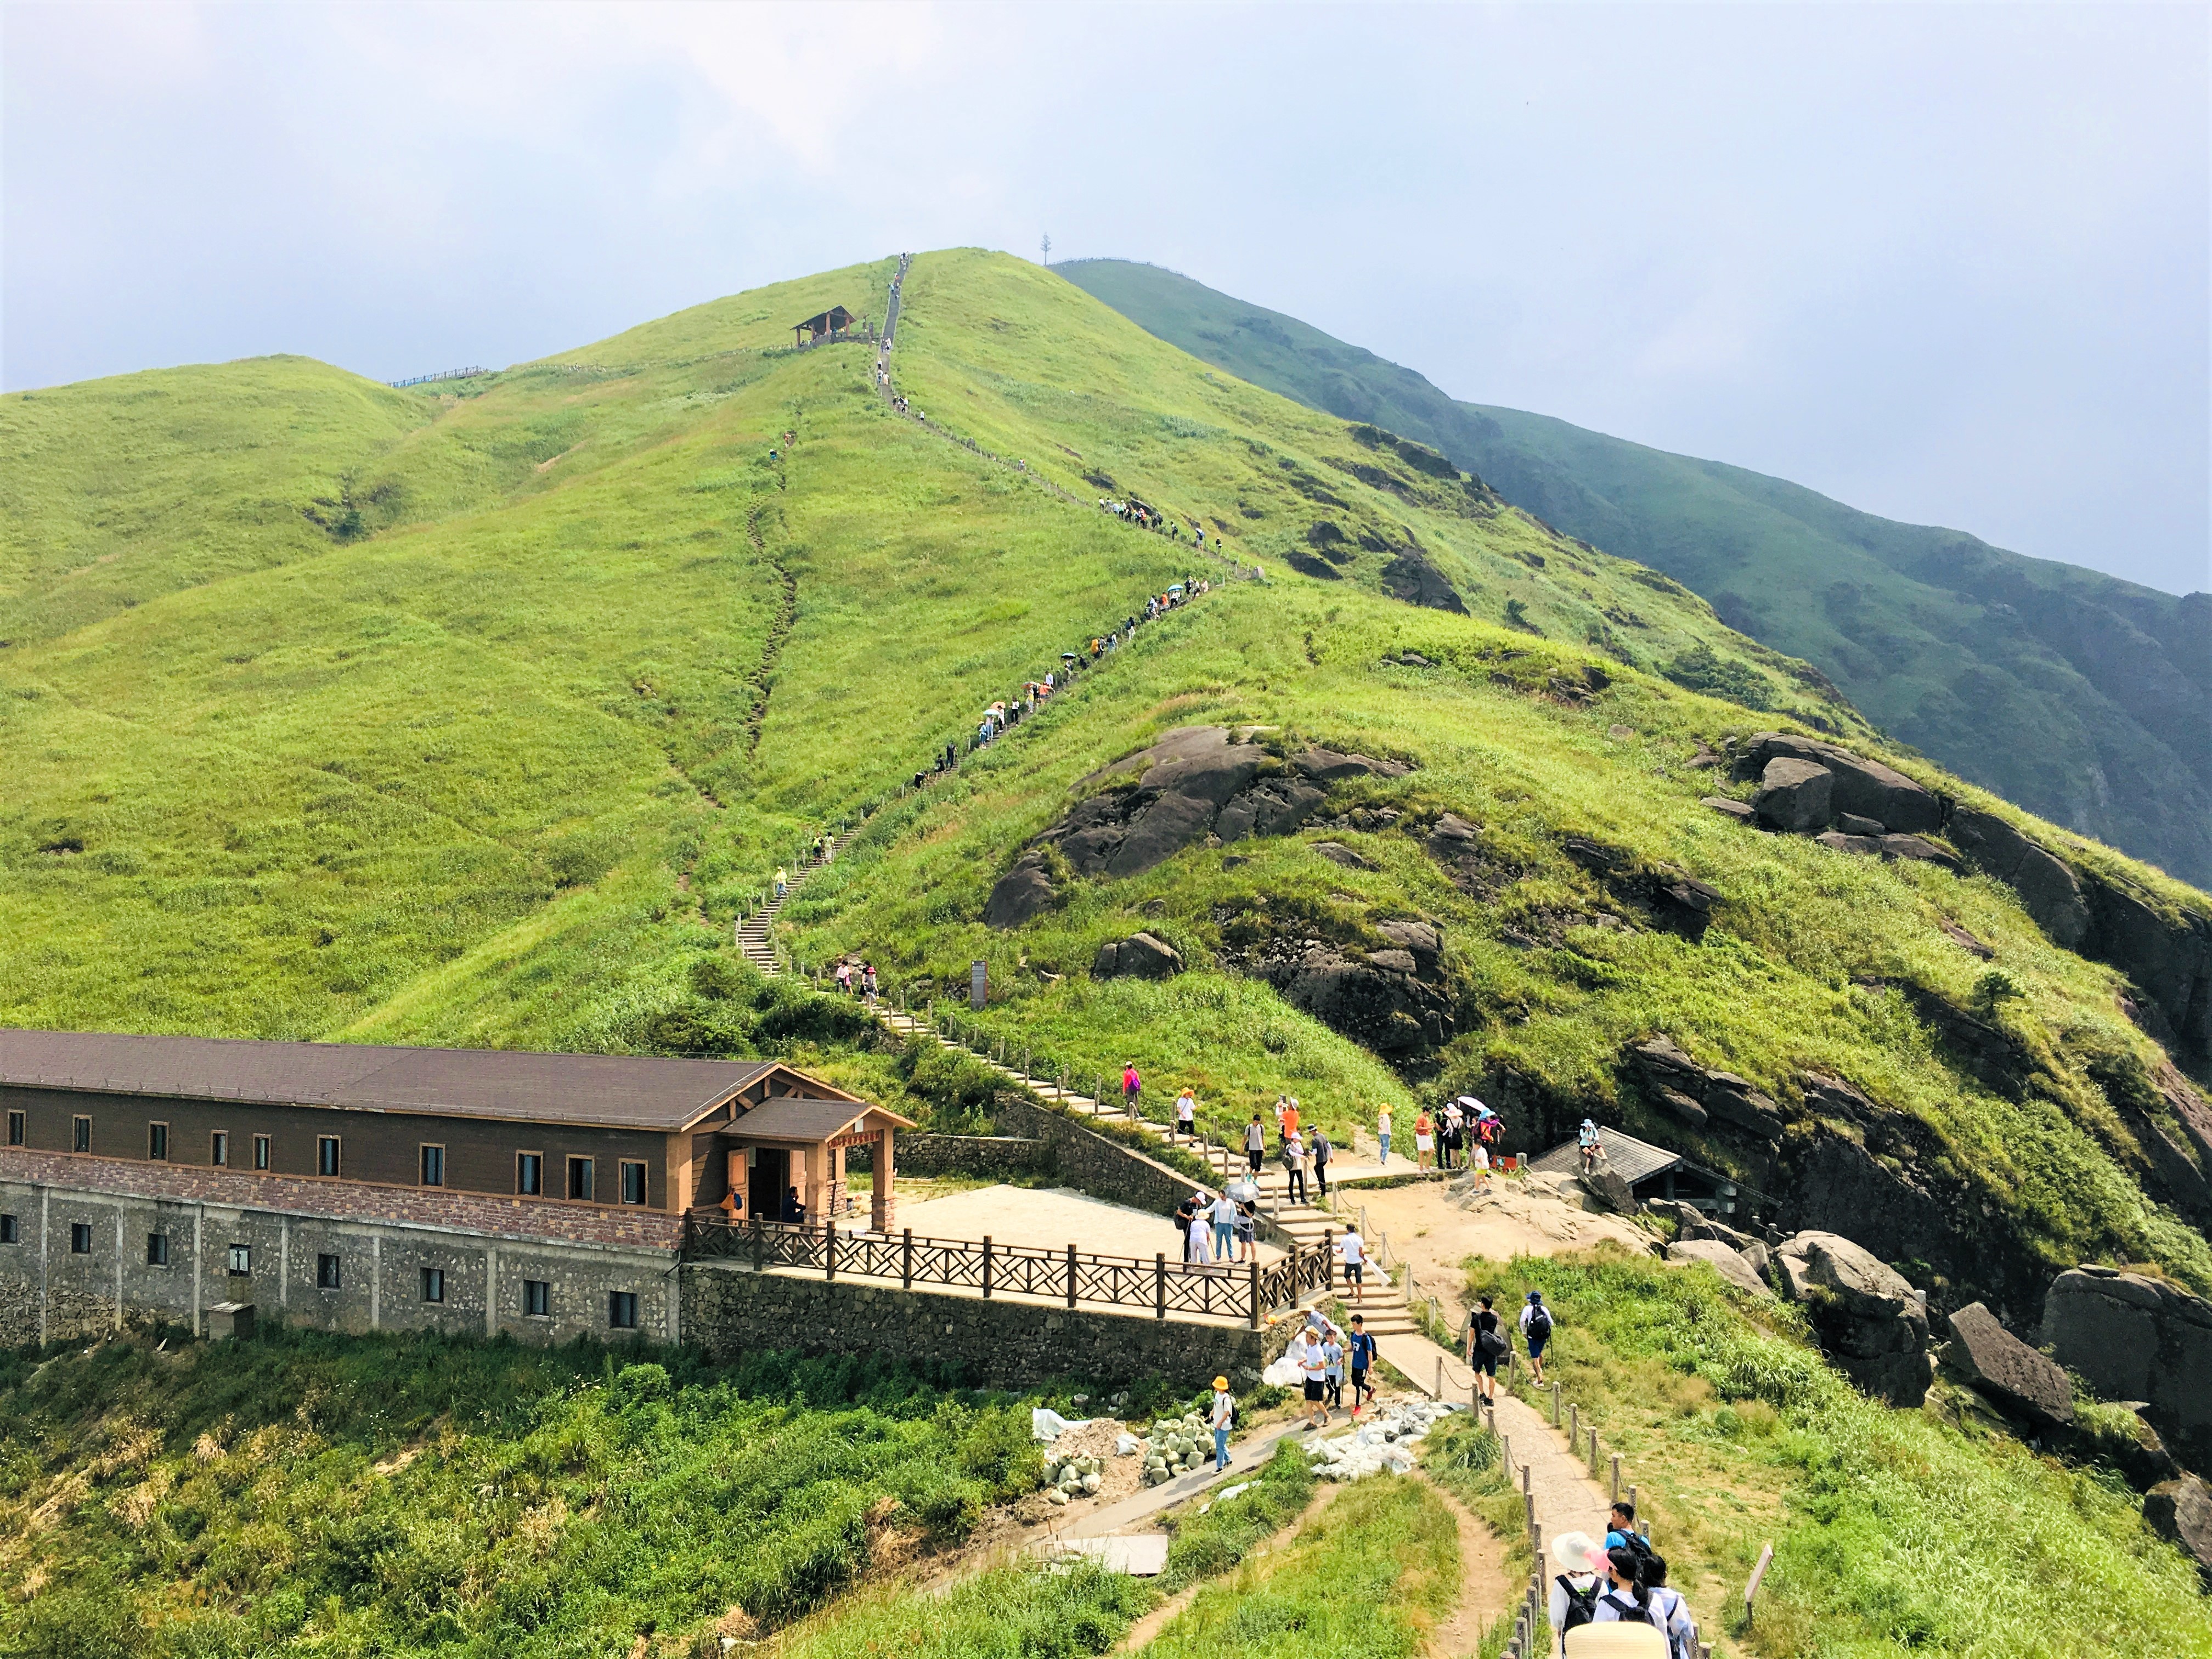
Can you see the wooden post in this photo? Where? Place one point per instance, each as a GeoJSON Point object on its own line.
{"type": "Point", "coordinates": [1574, 1426]}
{"type": "Point", "coordinates": [1440, 1377]}
{"type": "Point", "coordinates": [829, 1249]}
{"type": "Point", "coordinates": [1071, 1275]}
{"type": "Point", "coordinates": [1160, 1286]}
{"type": "Point", "coordinates": [987, 1267]}
{"type": "Point", "coordinates": [906, 1261]}
{"type": "Point", "coordinates": [1555, 1405]}
{"type": "Point", "coordinates": [1615, 1493]}
{"type": "Point", "coordinates": [1329, 1260]}
{"type": "Point", "coordinates": [1257, 1316]}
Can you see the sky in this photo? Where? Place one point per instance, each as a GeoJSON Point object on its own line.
{"type": "Point", "coordinates": [1947, 264]}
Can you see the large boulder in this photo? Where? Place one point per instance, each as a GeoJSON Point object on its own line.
{"type": "Point", "coordinates": [1870, 1320]}
{"type": "Point", "coordinates": [2137, 1338]}
{"type": "Point", "coordinates": [2181, 1511]}
{"type": "Point", "coordinates": [1382, 999]}
{"type": "Point", "coordinates": [1679, 1085]}
{"type": "Point", "coordinates": [1024, 891]}
{"type": "Point", "coordinates": [1141, 955]}
{"type": "Point", "coordinates": [1990, 1358]}
{"type": "Point", "coordinates": [1864, 789]}
{"type": "Point", "coordinates": [1610, 1189]}
{"type": "Point", "coordinates": [1721, 1260]}
{"type": "Point", "coordinates": [1794, 795]}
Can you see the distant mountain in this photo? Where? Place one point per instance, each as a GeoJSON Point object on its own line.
{"type": "Point", "coordinates": [2086, 699]}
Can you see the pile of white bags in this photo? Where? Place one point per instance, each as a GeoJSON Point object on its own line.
{"type": "Point", "coordinates": [1070, 1477]}
{"type": "Point", "coordinates": [1384, 1442]}
{"type": "Point", "coordinates": [1176, 1445]}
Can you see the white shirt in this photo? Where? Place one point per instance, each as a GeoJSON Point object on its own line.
{"type": "Point", "coordinates": [1314, 1362]}
{"type": "Point", "coordinates": [1185, 1107]}
{"type": "Point", "coordinates": [1225, 1406]}
{"type": "Point", "coordinates": [1224, 1212]}
{"type": "Point", "coordinates": [1354, 1248]}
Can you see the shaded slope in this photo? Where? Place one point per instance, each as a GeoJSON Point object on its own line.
{"type": "Point", "coordinates": [2084, 698]}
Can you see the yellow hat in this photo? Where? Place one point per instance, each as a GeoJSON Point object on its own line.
{"type": "Point", "coordinates": [1222, 1383]}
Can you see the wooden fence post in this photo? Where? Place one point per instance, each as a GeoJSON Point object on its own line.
{"type": "Point", "coordinates": [1160, 1286]}
{"type": "Point", "coordinates": [1071, 1275]}
{"type": "Point", "coordinates": [906, 1261]}
{"type": "Point", "coordinates": [987, 1267]}
{"type": "Point", "coordinates": [829, 1249]}
{"type": "Point", "coordinates": [1254, 1266]}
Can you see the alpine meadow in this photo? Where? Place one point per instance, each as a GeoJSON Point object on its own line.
{"type": "Point", "coordinates": [480, 714]}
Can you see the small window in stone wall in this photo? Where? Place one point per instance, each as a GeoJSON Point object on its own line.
{"type": "Point", "coordinates": [529, 1174]}
{"type": "Point", "coordinates": [537, 1298]}
{"type": "Point", "coordinates": [633, 1183]}
{"type": "Point", "coordinates": [80, 1238]}
{"type": "Point", "coordinates": [580, 1178]}
{"type": "Point", "coordinates": [80, 1135]}
{"type": "Point", "coordinates": [18, 1128]}
{"type": "Point", "coordinates": [327, 1273]}
{"type": "Point", "coordinates": [157, 1250]}
{"type": "Point", "coordinates": [261, 1151]}
{"type": "Point", "coordinates": [434, 1166]}
{"type": "Point", "coordinates": [241, 1258]}
{"type": "Point", "coordinates": [8, 1233]}
{"type": "Point", "coordinates": [157, 1141]}
{"type": "Point", "coordinates": [326, 1155]}
{"type": "Point", "coordinates": [622, 1309]}
{"type": "Point", "coordinates": [434, 1284]}
{"type": "Point", "coordinates": [219, 1148]}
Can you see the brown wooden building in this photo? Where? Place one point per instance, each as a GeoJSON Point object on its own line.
{"type": "Point", "coordinates": [555, 1130]}
{"type": "Point", "coordinates": [834, 323]}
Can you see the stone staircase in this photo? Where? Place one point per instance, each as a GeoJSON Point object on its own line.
{"type": "Point", "coordinates": [755, 934]}
{"type": "Point", "coordinates": [1383, 1300]}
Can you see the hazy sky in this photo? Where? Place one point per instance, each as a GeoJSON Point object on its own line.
{"type": "Point", "coordinates": [1947, 264]}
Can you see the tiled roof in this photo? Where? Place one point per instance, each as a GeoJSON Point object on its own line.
{"type": "Point", "coordinates": [1631, 1159]}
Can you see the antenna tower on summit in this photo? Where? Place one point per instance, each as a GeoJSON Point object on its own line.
{"type": "Point", "coordinates": [1047, 246]}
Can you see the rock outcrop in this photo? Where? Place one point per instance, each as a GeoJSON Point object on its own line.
{"type": "Point", "coordinates": [1870, 1321]}
{"type": "Point", "coordinates": [2028, 1385]}
{"type": "Point", "coordinates": [2048, 887]}
{"type": "Point", "coordinates": [1141, 955]}
{"type": "Point", "coordinates": [1730, 1264]}
{"type": "Point", "coordinates": [2136, 1338]}
{"type": "Point", "coordinates": [2181, 1511]}
{"type": "Point", "coordinates": [1196, 781]}
{"type": "Point", "coordinates": [1394, 999]}
{"type": "Point", "coordinates": [1866, 789]}
{"type": "Point", "coordinates": [1678, 1084]}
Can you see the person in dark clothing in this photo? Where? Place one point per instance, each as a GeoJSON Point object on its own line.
{"type": "Point", "coordinates": [793, 1210]}
{"type": "Point", "coordinates": [1486, 1346]}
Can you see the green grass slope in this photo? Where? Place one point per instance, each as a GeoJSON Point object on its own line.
{"type": "Point", "coordinates": [2082, 697]}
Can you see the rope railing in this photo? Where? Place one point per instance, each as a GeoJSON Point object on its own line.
{"type": "Point", "coordinates": [1247, 1290]}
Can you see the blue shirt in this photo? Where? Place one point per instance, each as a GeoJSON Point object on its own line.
{"type": "Point", "coordinates": [1362, 1350]}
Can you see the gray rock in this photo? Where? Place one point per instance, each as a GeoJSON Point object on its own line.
{"type": "Point", "coordinates": [1837, 1098]}
{"type": "Point", "coordinates": [1852, 824]}
{"type": "Point", "coordinates": [1870, 1320]}
{"type": "Point", "coordinates": [1024, 891]}
{"type": "Point", "coordinates": [1679, 1085]}
{"type": "Point", "coordinates": [1141, 955]}
{"type": "Point", "coordinates": [1423, 940]}
{"type": "Point", "coordinates": [2048, 887]}
{"type": "Point", "coordinates": [2028, 1384]}
{"type": "Point", "coordinates": [1741, 810]}
{"type": "Point", "coordinates": [2136, 1338]}
{"type": "Point", "coordinates": [1337, 853]}
{"type": "Point", "coordinates": [1611, 1190]}
{"type": "Point", "coordinates": [1452, 836]}
{"type": "Point", "coordinates": [1681, 1105]}
{"type": "Point", "coordinates": [1706, 1227]}
{"type": "Point", "coordinates": [1274, 806]}
{"type": "Point", "coordinates": [1794, 794]}
{"type": "Point", "coordinates": [1724, 1260]}
{"type": "Point", "coordinates": [1837, 841]}
{"type": "Point", "coordinates": [1733, 1100]}
{"type": "Point", "coordinates": [1327, 766]}
{"type": "Point", "coordinates": [1915, 847]}
{"type": "Point", "coordinates": [1865, 789]}
{"type": "Point", "coordinates": [2181, 1511]}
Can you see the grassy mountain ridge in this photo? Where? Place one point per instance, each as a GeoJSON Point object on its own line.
{"type": "Point", "coordinates": [2082, 697]}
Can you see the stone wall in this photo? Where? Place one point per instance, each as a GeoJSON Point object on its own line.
{"type": "Point", "coordinates": [1091, 1163]}
{"type": "Point", "coordinates": [993, 1157]}
{"type": "Point", "coordinates": [729, 1310]}
{"type": "Point", "coordinates": [50, 1289]}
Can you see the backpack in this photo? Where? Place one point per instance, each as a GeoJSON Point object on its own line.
{"type": "Point", "coordinates": [1640, 1547]}
{"type": "Point", "coordinates": [1540, 1324]}
{"type": "Point", "coordinates": [1631, 1613]}
{"type": "Point", "coordinates": [1582, 1605]}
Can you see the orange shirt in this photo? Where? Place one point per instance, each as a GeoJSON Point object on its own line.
{"type": "Point", "coordinates": [1422, 1125]}
{"type": "Point", "coordinates": [1289, 1121]}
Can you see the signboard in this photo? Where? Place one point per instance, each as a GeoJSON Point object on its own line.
{"type": "Point", "coordinates": [1758, 1574]}
{"type": "Point", "coordinates": [979, 983]}
{"type": "Point", "coordinates": [857, 1138]}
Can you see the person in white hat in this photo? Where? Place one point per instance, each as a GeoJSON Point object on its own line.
{"type": "Point", "coordinates": [1576, 1584]}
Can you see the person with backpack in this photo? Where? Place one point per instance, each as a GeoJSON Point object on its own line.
{"type": "Point", "coordinates": [1486, 1347]}
{"type": "Point", "coordinates": [1224, 1419]}
{"type": "Point", "coordinates": [1294, 1167]}
{"type": "Point", "coordinates": [1575, 1587]}
{"type": "Point", "coordinates": [1320, 1152]}
{"type": "Point", "coordinates": [1255, 1143]}
{"type": "Point", "coordinates": [1621, 1530]}
{"type": "Point", "coordinates": [1637, 1594]}
{"type": "Point", "coordinates": [1362, 1351]}
{"type": "Point", "coordinates": [1591, 1144]}
{"type": "Point", "coordinates": [1536, 1329]}
{"type": "Point", "coordinates": [1132, 1087]}
{"type": "Point", "coordinates": [1187, 1113]}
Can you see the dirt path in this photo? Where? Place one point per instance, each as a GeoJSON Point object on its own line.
{"type": "Point", "coordinates": [1162, 1616]}
{"type": "Point", "coordinates": [1485, 1588]}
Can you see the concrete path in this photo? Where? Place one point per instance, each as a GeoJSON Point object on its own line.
{"type": "Point", "coordinates": [1050, 1215]}
{"type": "Point", "coordinates": [1245, 1458]}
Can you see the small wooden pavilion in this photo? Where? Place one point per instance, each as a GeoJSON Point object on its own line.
{"type": "Point", "coordinates": [791, 1147]}
{"type": "Point", "coordinates": [834, 323]}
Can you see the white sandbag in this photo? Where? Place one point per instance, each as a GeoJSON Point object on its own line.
{"type": "Point", "coordinates": [1048, 1425]}
{"type": "Point", "coordinates": [1285, 1373]}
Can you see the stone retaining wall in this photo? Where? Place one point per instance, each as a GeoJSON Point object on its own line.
{"type": "Point", "coordinates": [1091, 1163]}
{"type": "Point", "coordinates": [993, 1157]}
{"type": "Point", "coordinates": [729, 1310]}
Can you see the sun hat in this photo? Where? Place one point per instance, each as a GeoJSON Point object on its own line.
{"type": "Point", "coordinates": [1571, 1552]}
{"type": "Point", "coordinates": [1222, 1383]}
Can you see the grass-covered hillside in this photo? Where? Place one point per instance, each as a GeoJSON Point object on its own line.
{"type": "Point", "coordinates": [495, 751]}
{"type": "Point", "coordinates": [2083, 697]}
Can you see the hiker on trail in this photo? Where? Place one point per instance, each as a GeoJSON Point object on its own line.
{"type": "Point", "coordinates": [1664, 1606]}
{"type": "Point", "coordinates": [1294, 1166]}
{"type": "Point", "coordinates": [1478, 1160]}
{"type": "Point", "coordinates": [1425, 1139]}
{"type": "Point", "coordinates": [845, 978]}
{"type": "Point", "coordinates": [1187, 1113]}
{"type": "Point", "coordinates": [1620, 1529]}
{"type": "Point", "coordinates": [1361, 1352]}
{"type": "Point", "coordinates": [1448, 1137]}
{"type": "Point", "coordinates": [1255, 1143]}
{"type": "Point", "coordinates": [1185, 1212]}
{"type": "Point", "coordinates": [1313, 1370]}
{"type": "Point", "coordinates": [1354, 1249]}
{"type": "Point", "coordinates": [1286, 1115]}
{"type": "Point", "coordinates": [1536, 1327]}
{"type": "Point", "coordinates": [1383, 1132]}
{"type": "Point", "coordinates": [1575, 1587]}
{"type": "Point", "coordinates": [1333, 1354]}
{"type": "Point", "coordinates": [1591, 1144]}
{"type": "Point", "coordinates": [1486, 1347]}
{"type": "Point", "coordinates": [1132, 1087]}
{"type": "Point", "coordinates": [1223, 1416]}
{"type": "Point", "coordinates": [1222, 1214]}
{"type": "Point", "coordinates": [782, 882]}
{"type": "Point", "coordinates": [1628, 1600]}
{"type": "Point", "coordinates": [868, 983]}
{"type": "Point", "coordinates": [1201, 1230]}
{"type": "Point", "coordinates": [1321, 1150]}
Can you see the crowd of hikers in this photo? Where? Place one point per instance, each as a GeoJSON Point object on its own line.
{"type": "Point", "coordinates": [1622, 1581]}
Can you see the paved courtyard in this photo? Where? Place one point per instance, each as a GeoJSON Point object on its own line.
{"type": "Point", "coordinates": [1050, 1217]}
